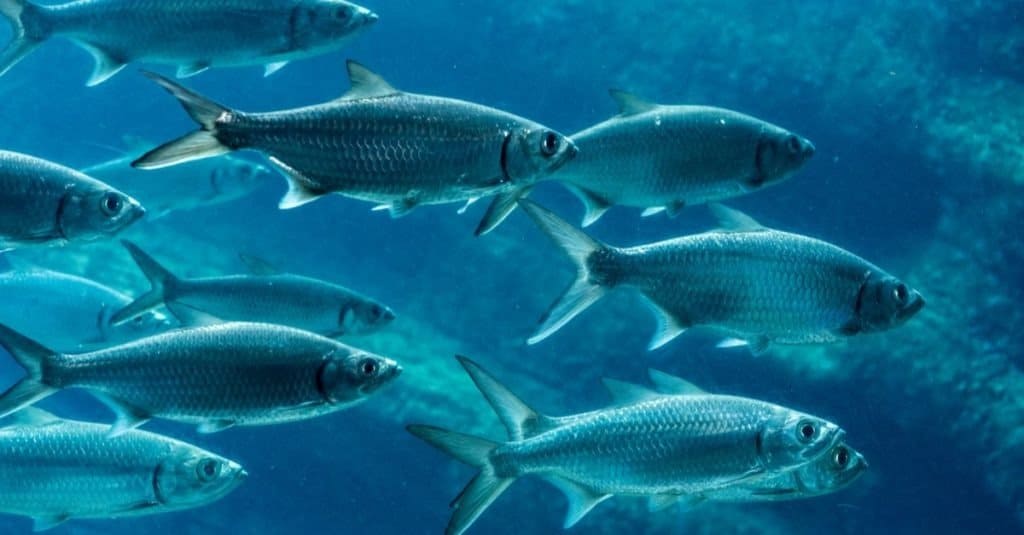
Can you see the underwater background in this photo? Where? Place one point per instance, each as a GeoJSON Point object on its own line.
{"type": "Point", "coordinates": [916, 108]}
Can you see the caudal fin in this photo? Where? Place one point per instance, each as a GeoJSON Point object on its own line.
{"type": "Point", "coordinates": [584, 291]}
{"type": "Point", "coordinates": [29, 355]}
{"type": "Point", "coordinates": [483, 489]}
{"type": "Point", "coordinates": [22, 42]}
{"type": "Point", "coordinates": [159, 279]}
{"type": "Point", "coordinates": [194, 146]}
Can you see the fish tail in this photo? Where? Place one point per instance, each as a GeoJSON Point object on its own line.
{"type": "Point", "coordinates": [584, 291]}
{"type": "Point", "coordinates": [483, 489]}
{"type": "Point", "coordinates": [30, 355]}
{"type": "Point", "coordinates": [159, 279]}
{"type": "Point", "coordinates": [28, 32]}
{"type": "Point", "coordinates": [203, 143]}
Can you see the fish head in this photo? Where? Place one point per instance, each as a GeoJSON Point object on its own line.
{"type": "Point", "coordinates": [321, 22]}
{"type": "Point", "coordinates": [363, 317]}
{"type": "Point", "coordinates": [532, 153]}
{"type": "Point", "coordinates": [195, 477]}
{"type": "Point", "coordinates": [790, 438]}
{"type": "Point", "coordinates": [830, 473]}
{"type": "Point", "coordinates": [145, 324]}
{"type": "Point", "coordinates": [884, 302]}
{"type": "Point", "coordinates": [237, 178]}
{"type": "Point", "coordinates": [349, 376]}
{"type": "Point", "coordinates": [779, 155]}
{"type": "Point", "coordinates": [96, 213]}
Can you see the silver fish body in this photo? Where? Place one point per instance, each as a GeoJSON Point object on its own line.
{"type": "Point", "coordinates": [192, 34]}
{"type": "Point", "coordinates": [72, 313]}
{"type": "Point", "coordinates": [378, 144]}
{"type": "Point", "coordinates": [674, 442]}
{"type": "Point", "coordinates": [215, 377]}
{"type": "Point", "coordinates": [194, 185]}
{"type": "Point", "coordinates": [759, 285]}
{"type": "Point", "coordinates": [43, 203]}
{"type": "Point", "coordinates": [54, 470]}
{"type": "Point", "coordinates": [263, 297]}
{"type": "Point", "coordinates": [663, 158]}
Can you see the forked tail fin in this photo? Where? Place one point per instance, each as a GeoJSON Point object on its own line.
{"type": "Point", "coordinates": [159, 279]}
{"type": "Point", "coordinates": [580, 248]}
{"type": "Point", "coordinates": [195, 146]}
{"type": "Point", "coordinates": [30, 355]}
{"type": "Point", "coordinates": [25, 37]}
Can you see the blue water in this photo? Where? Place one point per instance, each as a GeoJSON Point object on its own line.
{"type": "Point", "coordinates": [861, 80]}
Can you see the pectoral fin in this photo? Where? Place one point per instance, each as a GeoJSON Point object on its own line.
{"type": "Point", "coordinates": [215, 426]}
{"type": "Point", "coordinates": [271, 68]}
{"type": "Point", "coordinates": [499, 209]}
{"type": "Point", "coordinates": [188, 71]}
{"type": "Point", "coordinates": [192, 317]}
{"type": "Point", "coordinates": [43, 523]}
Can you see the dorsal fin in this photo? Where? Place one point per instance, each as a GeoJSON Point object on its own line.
{"type": "Point", "coordinates": [520, 420]}
{"type": "Point", "coordinates": [733, 220]}
{"type": "Point", "coordinates": [630, 104]}
{"type": "Point", "coordinates": [31, 416]}
{"type": "Point", "coordinates": [670, 384]}
{"type": "Point", "coordinates": [624, 393]}
{"type": "Point", "coordinates": [258, 266]}
{"type": "Point", "coordinates": [366, 83]}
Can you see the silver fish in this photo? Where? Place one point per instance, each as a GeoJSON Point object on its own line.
{"type": "Point", "coordinates": [663, 158]}
{"type": "Point", "coordinates": [54, 470]}
{"type": "Point", "coordinates": [379, 144]}
{"type": "Point", "coordinates": [215, 377]}
{"type": "Point", "coordinates": [830, 473]}
{"type": "Point", "coordinates": [678, 441]}
{"type": "Point", "coordinates": [760, 286]}
{"type": "Point", "coordinates": [72, 313]}
{"type": "Point", "coordinates": [43, 203]}
{"type": "Point", "coordinates": [194, 35]}
{"type": "Point", "coordinates": [186, 187]}
{"type": "Point", "coordinates": [267, 296]}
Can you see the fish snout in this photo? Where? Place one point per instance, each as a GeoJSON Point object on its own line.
{"type": "Point", "coordinates": [369, 17]}
{"type": "Point", "coordinates": [807, 149]}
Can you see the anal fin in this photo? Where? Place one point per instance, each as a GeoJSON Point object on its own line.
{"type": "Point", "coordinates": [271, 68]}
{"type": "Point", "coordinates": [44, 523]}
{"type": "Point", "coordinates": [215, 426]}
{"type": "Point", "coordinates": [188, 71]}
{"type": "Point", "coordinates": [668, 326]}
{"type": "Point", "coordinates": [105, 65]}
{"type": "Point", "coordinates": [128, 417]}
{"type": "Point", "coordinates": [594, 205]}
{"type": "Point", "coordinates": [581, 499]}
{"type": "Point", "coordinates": [299, 191]}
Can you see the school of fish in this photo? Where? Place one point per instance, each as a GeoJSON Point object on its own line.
{"type": "Point", "coordinates": [261, 348]}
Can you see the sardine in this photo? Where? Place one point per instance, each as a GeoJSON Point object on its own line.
{"type": "Point", "coordinates": [43, 203]}
{"type": "Point", "coordinates": [72, 313]}
{"type": "Point", "coordinates": [54, 470]}
{"type": "Point", "coordinates": [186, 187]}
{"type": "Point", "coordinates": [379, 144]}
{"type": "Point", "coordinates": [761, 286]}
{"type": "Point", "coordinates": [215, 377]}
{"type": "Point", "coordinates": [680, 440]}
{"type": "Point", "coordinates": [266, 296]}
{"type": "Point", "coordinates": [193, 35]}
{"type": "Point", "coordinates": [663, 158]}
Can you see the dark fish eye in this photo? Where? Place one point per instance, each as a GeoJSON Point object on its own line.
{"type": "Point", "coordinates": [807, 430]}
{"type": "Point", "coordinates": [341, 14]}
{"type": "Point", "coordinates": [841, 457]}
{"type": "Point", "coordinates": [549, 144]}
{"type": "Point", "coordinates": [376, 312]}
{"type": "Point", "coordinates": [901, 293]}
{"type": "Point", "coordinates": [208, 470]}
{"type": "Point", "coordinates": [369, 367]}
{"type": "Point", "coordinates": [111, 204]}
{"type": "Point", "coordinates": [793, 144]}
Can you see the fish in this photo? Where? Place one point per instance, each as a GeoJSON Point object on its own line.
{"type": "Point", "coordinates": [193, 35]}
{"type": "Point", "coordinates": [265, 296]}
{"type": "Point", "coordinates": [72, 312]}
{"type": "Point", "coordinates": [44, 203]}
{"type": "Point", "coordinates": [214, 377]}
{"type": "Point", "coordinates": [663, 158]}
{"type": "Point", "coordinates": [378, 144]}
{"type": "Point", "coordinates": [830, 473]}
{"type": "Point", "coordinates": [54, 470]}
{"type": "Point", "coordinates": [760, 286]}
{"type": "Point", "coordinates": [186, 187]}
{"type": "Point", "coordinates": [674, 441]}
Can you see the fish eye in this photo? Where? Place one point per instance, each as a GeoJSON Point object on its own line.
{"type": "Point", "coordinates": [369, 367]}
{"type": "Point", "coordinates": [806, 431]}
{"type": "Point", "coordinates": [341, 14]}
{"type": "Point", "coordinates": [376, 312]}
{"type": "Point", "coordinates": [549, 144]}
{"type": "Point", "coordinates": [111, 204]}
{"type": "Point", "coordinates": [793, 144]}
{"type": "Point", "coordinates": [900, 293]}
{"type": "Point", "coordinates": [841, 457]}
{"type": "Point", "coordinates": [208, 470]}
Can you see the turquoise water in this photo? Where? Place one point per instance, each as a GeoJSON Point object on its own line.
{"type": "Point", "coordinates": [915, 110]}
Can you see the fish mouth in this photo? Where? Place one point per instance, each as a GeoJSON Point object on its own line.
{"type": "Point", "coordinates": [915, 306]}
{"type": "Point", "coordinates": [369, 17]}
